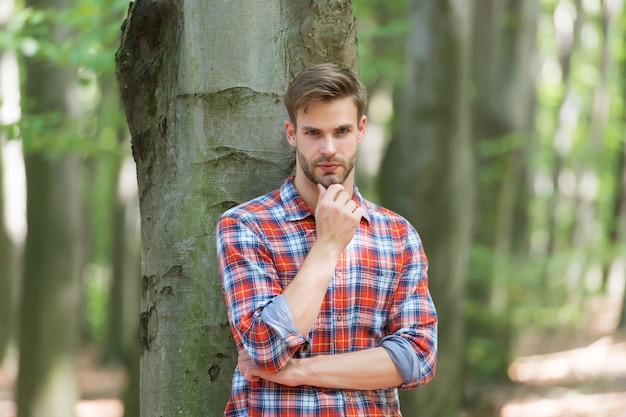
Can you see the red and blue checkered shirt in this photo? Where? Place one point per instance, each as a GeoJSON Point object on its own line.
{"type": "Point", "coordinates": [378, 297]}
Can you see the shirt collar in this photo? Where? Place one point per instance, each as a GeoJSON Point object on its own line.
{"type": "Point", "coordinates": [296, 208]}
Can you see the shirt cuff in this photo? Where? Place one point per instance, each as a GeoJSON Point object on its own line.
{"type": "Point", "coordinates": [404, 357]}
{"type": "Point", "coordinates": [278, 316]}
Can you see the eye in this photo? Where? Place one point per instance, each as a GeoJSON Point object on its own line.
{"type": "Point", "coordinates": [311, 132]}
{"type": "Point", "coordinates": [343, 130]}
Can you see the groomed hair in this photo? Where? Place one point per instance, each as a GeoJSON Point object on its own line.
{"type": "Point", "coordinates": [324, 82]}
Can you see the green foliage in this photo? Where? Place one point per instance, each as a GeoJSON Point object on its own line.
{"type": "Point", "coordinates": [487, 346]}
{"type": "Point", "coordinates": [29, 32]}
{"type": "Point", "coordinates": [381, 29]}
{"type": "Point", "coordinates": [34, 34]}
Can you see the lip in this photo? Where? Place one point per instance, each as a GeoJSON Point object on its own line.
{"type": "Point", "coordinates": [328, 167]}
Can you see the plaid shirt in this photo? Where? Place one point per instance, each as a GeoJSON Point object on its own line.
{"type": "Point", "coordinates": [379, 289]}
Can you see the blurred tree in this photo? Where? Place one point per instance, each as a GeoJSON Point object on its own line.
{"type": "Point", "coordinates": [580, 90]}
{"type": "Point", "coordinates": [568, 18]}
{"type": "Point", "coordinates": [124, 301]}
{"type": "Point", "coordinates": [504, 71]}
{"type": "Point", "coordinates": [618, 233]}
{"type": "Point", "coordinates": [503, 107]}
{"type": "Point", "coordinates": [588, 230]}
{"type": "Point", "coordinates": [6, 275]}
{"type": "Point", "coordinates": [427, 177]}
{"type": "Point", "coordinates": [382, 27]}
{"type": "Point", "coordinates": [51, 294]}
{"type": "Point", "coordinates": [203, 103]}
{"type": "Point", "coordinates": [6, 245]}
{"type": "Point", "coordinates": [617, 229]}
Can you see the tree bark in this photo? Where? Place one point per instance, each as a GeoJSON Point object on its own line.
{"type": "Point", "coordinates": [202, 85]}
{"type": "Point", "coordinates": [426, 176]}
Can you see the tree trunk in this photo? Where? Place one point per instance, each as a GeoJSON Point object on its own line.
{"type": "Point", "coordinates": [618, 228]}
{"type": "Point", "coordinates": [125, 297]}
{"type": "Point", "coordinates": [51, 292]}
{"type": "Point", "coordinates": [618, 234]}
{"type": "Point", "coordinates": [49, 319]}
{"type": "Point", "coordinates": [6, 273]}
{"type": "Point", "coordinates": [568, 40]}
{"type": "Point", "coordinates": [426, 176]}
{"type": "Point", "coordinates": [8, 110]}
{"type": "Point", "coordinates": [503, 106]}
{"type": "Point", "coordinates": [202, 85]}
{"type": "Point", "coordinates": [504, 50]}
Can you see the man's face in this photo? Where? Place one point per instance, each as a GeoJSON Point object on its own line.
{"type": "Point", "coordinates": [326, 139]}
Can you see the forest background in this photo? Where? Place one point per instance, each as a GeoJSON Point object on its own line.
{"type": "Point", "coordinates": [544, 205]}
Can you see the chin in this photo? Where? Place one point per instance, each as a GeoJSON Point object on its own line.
{"type": "Point", "coordinates": [330, 180]}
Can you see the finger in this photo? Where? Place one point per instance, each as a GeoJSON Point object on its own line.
{"type": "Point", "coordinates": [343, 198]}
{"type": "Point", "coordinates": [337, 194]}
{"type": "Point", "coordinates": [332, 191]}
{"type": "Point", "coordinates": [359, 212]}
{"type": "Point", "coordinates": [350, 206]}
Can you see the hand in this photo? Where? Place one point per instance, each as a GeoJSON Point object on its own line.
{"type": "Point", "coordinates": [248, 368]}
{"type": "Point", "coordinates": [253, 373]}
{"type": "Point", "coordinates": [337, 216]}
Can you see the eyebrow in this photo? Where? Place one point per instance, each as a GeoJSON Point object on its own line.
{"type": "Point", "coordinates": [343, 126]}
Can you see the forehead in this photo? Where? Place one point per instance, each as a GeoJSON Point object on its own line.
{"type": "Point", "coordinates": [334, 112]}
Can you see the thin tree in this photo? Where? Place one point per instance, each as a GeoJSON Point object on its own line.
{"type": "Point", "coordinates": [202, 85]}
{"type": "Point", "coordinates": [503, 107]}
{"type": "Point", "coordinates": [6, 276]}
{"type": "Point", "coordinates": [617, 233]}
{"type": "Point", "coordinates": [7, 251]}
{"type": "Point", "coordinates": [504, 72]}
{"type": "Point", "coordinates": [426, 176]}
{"type": "Point", "coordinates": [51, 293]}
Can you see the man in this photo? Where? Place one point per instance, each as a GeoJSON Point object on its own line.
{"type": "Point", "coordinates": [327, 293]}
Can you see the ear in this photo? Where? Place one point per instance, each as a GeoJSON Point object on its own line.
{"type": "Point", "coordinates": [290, 132]}
{"type": "Point", "coordinates": [362, 124]}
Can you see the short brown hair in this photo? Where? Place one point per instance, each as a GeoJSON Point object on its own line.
{"type": "Point", "coordinates": [324, 82]}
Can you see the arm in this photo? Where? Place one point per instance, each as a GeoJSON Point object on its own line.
{"type": "Point", "coordinates": [336, 221]}
{"type": "Point", "coordinates": [367, 369]}
{"type": "Point", "coordinates": [407, 357]}
{"type": "Point", "coordinates": [250, 281]}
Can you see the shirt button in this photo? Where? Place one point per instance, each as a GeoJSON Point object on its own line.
{"type": "Point", "coordinates": [339, 274]}
{"type": "Point", "coordinates": [339, 317]}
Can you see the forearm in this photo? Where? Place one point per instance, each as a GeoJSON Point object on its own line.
{"type": "Point", "coordinates": [306, 292]}
{"type": "Point", "coordinates": [363, 370]}
{"type": "Point", "coordinates": [368, 369]}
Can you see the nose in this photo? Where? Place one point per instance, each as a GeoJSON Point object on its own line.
{"type": "Point", "coordinates": [328, 146]}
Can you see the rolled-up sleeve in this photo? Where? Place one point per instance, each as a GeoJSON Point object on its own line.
{"type": "Point", "coordinates": [250, 285]}
{"type": "Point", "coordinates": [413, 319]}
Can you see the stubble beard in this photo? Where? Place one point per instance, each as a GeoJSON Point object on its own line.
{"type": "Point", "coordinates": [308, 168]}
